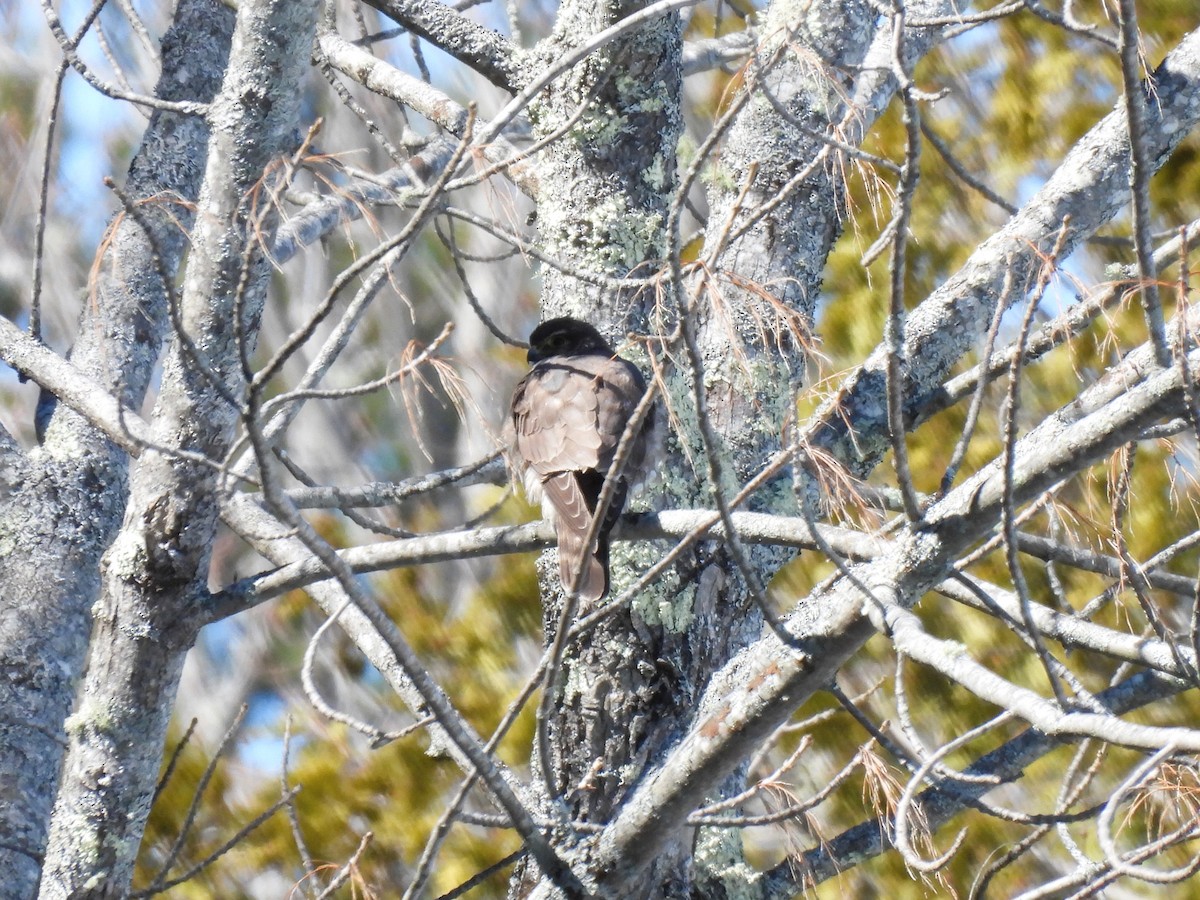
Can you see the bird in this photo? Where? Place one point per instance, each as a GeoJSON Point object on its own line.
{"type": "Point", "coordinates": [569, 414]}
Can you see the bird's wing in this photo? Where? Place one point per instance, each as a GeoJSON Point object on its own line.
{"type": "Point", "coordinates": [555, 417]}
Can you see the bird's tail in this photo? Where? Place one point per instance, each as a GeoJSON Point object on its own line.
{"type": "Point", "coordinates": [574, 496]}
{"type": "Point", "coordinates": [593, 582]}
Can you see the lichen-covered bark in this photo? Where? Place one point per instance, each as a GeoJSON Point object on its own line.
{"type": "Point", "coordinates": [155, 572]}
{"type": "Point", "coordinates": [752, 306]}
{"type": "Point", "coordinates": [763, 684]}
{"type": "Point", "coordinates": [630, 688]}
{"type": "Point", "coordinates": [606, 186]}
{"type": "Point", "coordinates": [66, 505]}
{"type": "Point", "coordinates": [800, 78]}
{"type": "Point", "coordinates": [606, 183]}
{"type": "Point", "coordinates": [484, 50]}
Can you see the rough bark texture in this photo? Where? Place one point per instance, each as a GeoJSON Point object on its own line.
{"type": "Point", "coordinates": [156, 570]}
{"type": "Point", "coordinates": [603, 209]}
{"type": "Point", "coordinates": [481, 48]}
{"type": "Point", "coordinates": [605, 194]}
{"type": "Point", "coordinates": [655, 712]}
{"type": "Point", "coordinates": [630, 687]}
{"type": "Point", "coordinates": [801, 76]}
{"type": "Point", "coordinates": [749, 342]}
{"type": "Point", "coordinates": [65, 506]}
{"type": "Point", "coordinates": [762, 685]}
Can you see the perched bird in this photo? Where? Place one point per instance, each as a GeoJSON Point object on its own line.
{"type": "Point", "coordinates": [569, 414]}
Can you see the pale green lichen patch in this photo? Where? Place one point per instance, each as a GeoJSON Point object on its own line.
{"type": "Point", "coordinates": [608, 231]}
{"type": "Point", "coordinates": [718, 854]}
{"type": "Point", "coordinates": [665, 603]}
{"type": "Point", "coordinates": [721, 178]}
{"type": "Point", "coordinates": [607, 176]}
{"type": "Point", "coordinates": [64, 444]}
{"type": "Point", "coordinates": [599, 127]}
{"type": "Point", "coordinates": [684, 483]}
{"type": "Point", "coordinates": [633, 235]}
{"type": "Point", "coordinates": [674, 615]}
{"type": "Point", "coordinates": [90, 717]}
{"type": "Point", "coordinates": [655, 175]}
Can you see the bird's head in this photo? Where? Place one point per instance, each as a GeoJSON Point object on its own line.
{"type": "Point", "coordinates": [565, 337]}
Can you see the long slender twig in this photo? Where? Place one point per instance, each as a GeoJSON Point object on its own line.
{"type": "Point", "coordinates": [895, 324]}
{"type": "Point", "coordinates": [433, 697]}
{"type": "Point", "coordinates": [1139, 177]}
{"type": "Point", "coordinates": [68, 47]}
{"type": "Point", "coordinates": [159, 882]}
{"type": "Point", "coordinates": [343, 874]}
{"type": "Point", "coordinates": [173, 762]}
{"type": "Point", "coordinates": [242, 833]}
{"type": "Point", "coordinates": [480, 877]}
{"type": "Point", "coordinates": [293, 818]}
{"type": "Point", "coordinates": [939, 804]}
{"type": "Point", "coordinates": [977, 398]}
{"type": "Point", "coordinates": [1012, 410]}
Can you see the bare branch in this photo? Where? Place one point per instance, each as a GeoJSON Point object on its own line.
{"type": "Point", "coordinates": [1089, 187]}
{"type": "Point", "coordinates": [755, 528]}
{"type": "Point", "coordinates": [134, 669]}
{"type": "Point", "coordinates": [939, 804]}
{"type": "Point", "coordinates": [709, 53]}
{"type": "Point", "coordinates": [69, 45]}
{"type": "Point", "coordinates": [1139, 175]}
{"type": "Point", "coordinates": [773, 678]}
{"type": "Point", "coordinates": [484, 50]}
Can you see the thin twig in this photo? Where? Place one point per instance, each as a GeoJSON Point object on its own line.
{"type": "Point", "coordinates": [344, 873]}
{"type": "Point", "coordinates": [293, 819]}
{"type": "Point", "coordinates": [1139, 178]}
{"type": "Point", "coordinates": [159, 882]}
{"type": "Point", "coordinates": [1008, 517]}
{"type": "Point", "coordinates": [165, 778]}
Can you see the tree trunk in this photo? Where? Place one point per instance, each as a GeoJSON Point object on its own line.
{"type": "Point", "coordinates": [155, 574]}
{"type": "Point", "coordinates": [630, 687]}
{"type": "Point", "coordinates": [64, 511]}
